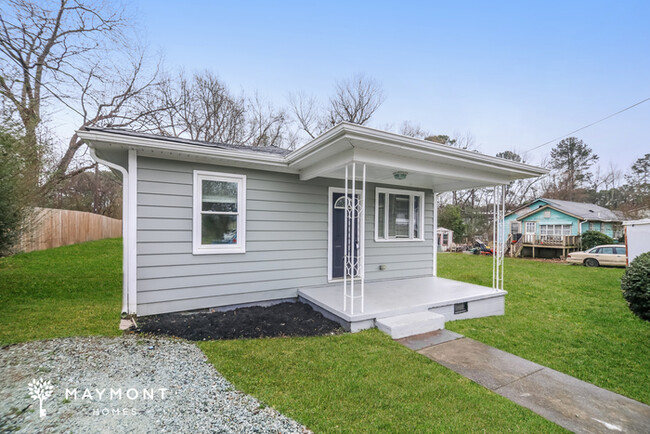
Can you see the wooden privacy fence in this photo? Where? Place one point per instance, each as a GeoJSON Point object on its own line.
{"type": "Point", "coordinates": [48, 228]}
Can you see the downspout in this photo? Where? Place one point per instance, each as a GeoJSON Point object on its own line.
{"type": "Point", "coordinates": [132, 238]}
{"type": "Point", "coordinates": [125, 226]}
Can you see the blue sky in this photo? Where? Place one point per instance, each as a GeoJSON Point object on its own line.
{"type": "Point", "coordinates": [513, 74]}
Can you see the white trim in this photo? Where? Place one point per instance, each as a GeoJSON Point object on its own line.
{"type": "Point", "coordinates": [133, 230]}
{"type": "Point", "coordinates": [125, 226]}
{"type": "Point", "coordinates": [435, 234]}
{"type": "Point", "coordinates": [411, 194]}
{"type": "Point", "coordinates": [385, 142]}
{"type": "Point", "coordinates": [240, 246]}
{"type": "Point", "coordinates": [330, 192]}
{"type": "Point", "coordinates": [397, 141]}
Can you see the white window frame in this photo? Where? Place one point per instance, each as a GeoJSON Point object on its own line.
{"type": "Point", "coordinates": [411, 194]}
{"type": "Point", "coordinates": [556, 229]}
{"type": "Point", "coordinates": [215, 249]}
{"type": "Point", "coordinates": [518, 227]}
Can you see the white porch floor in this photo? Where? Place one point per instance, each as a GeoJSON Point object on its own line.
{"type": "Point", "coordinates": [397, 297]}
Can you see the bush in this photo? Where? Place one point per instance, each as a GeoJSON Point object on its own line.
{"type": "Point", "coordinates": [449, 217]}
{"type": "Point", "coordinates": [636, 286]}
{"type": "Point", "coordinates": [590, 239]}
{"type": "Point", "coordinates": [11, 196]}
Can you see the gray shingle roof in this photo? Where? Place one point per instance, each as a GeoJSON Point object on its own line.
{"type": "Point", "coordinates": [586, 211]}
{"type": "Point", "coordinates": [260, 149]}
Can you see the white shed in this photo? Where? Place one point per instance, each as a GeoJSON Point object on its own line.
{"type": "Point", "coordinates": [445, 239]}
{"type": "Point", "coordinates": [637, 238]}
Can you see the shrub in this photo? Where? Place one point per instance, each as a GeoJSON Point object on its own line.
{"type": "Point", "coordinates": [11, 196]}
{"type": "Point", "coordinates": [590, 239]}
{"type": "Point", "coordinates": [636, 286]}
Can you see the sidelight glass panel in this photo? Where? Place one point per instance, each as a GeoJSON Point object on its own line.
{"type": "Point", "coordinates": [416, 217]}
{"type": "Point", "coordinates": [381, 215]}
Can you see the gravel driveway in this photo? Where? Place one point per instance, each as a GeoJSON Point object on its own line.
{"type": "Point", "coordinates": [126, 384]}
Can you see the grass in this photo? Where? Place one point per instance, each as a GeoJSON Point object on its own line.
{"type": "Point", "coordinates": [67, 291]}
{"type": "Point", "coordinates": [571, 318]}
{"type": "Point", "coordinates": [365, 382]}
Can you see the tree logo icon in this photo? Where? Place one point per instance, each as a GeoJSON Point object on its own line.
{"type": "Point", "coordinates": [41, 390]}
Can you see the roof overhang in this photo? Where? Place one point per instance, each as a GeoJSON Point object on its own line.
{"type": "Point", "coordinates": [428, 165]}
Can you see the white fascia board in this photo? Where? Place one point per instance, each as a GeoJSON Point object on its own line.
{"type": "Point", "coordinates": [424, 167]}
{"type": "Point", "coordinates": [144, 143]}
{"type": "Point", "coordinates": [423, 147]}
{"type": "Point", "coordinates": [322, 141]}
{"type": "Point", "coordinates": [406, 142]}
{"type": "Point", "coordinates": [327, 166]}
{"type": "Point", "coordinates": [308, 155]}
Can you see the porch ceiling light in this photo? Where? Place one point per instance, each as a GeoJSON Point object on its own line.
{"type": "Point", "coordinates": [399, 175]}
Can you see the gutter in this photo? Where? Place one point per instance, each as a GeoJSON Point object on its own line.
{"type": "Point", "coordinates": [286, 163]}
{"type": "Point", "coordinates": [125, 226]}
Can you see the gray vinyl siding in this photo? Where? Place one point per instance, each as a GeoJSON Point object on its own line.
{"type": "Point", "coordinates": [286, 241]}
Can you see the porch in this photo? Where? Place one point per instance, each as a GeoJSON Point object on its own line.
{"type": "Point", "coordinates": [450, 299]}
{"type": "Point", "coordinates": [534, 242]}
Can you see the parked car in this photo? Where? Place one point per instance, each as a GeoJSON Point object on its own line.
{"type": "Point", "coordinates": [611, 254]}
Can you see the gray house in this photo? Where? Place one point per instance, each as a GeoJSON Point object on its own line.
{"type": "Point", "coordinates": [345, 223]}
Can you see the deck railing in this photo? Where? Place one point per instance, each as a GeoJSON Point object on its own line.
{"type": "Point", "coordinates": [516, 247]}
{"type": "Point", "coordinates": [552, 240]}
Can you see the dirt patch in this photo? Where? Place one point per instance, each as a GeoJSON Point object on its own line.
{"type": "Point", "coordinates": [284, 319]}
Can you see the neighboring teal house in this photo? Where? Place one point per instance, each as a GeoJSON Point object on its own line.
{"type": "Point", "coordinates": [551, 227]}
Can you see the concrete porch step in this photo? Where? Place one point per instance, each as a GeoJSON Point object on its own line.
{"type": "Point", "coordinates": [415, 323]}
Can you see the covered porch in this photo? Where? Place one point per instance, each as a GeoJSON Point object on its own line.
{"type": "Point", "coordinates": [451, 299]}
{"type": "Point", "coordinates": [402, 172]}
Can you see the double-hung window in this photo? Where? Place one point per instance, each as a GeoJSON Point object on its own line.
{"type": "Point", "coordinates": [219, 213]}
{"type": "Point", "coordinates": [399, 215]}
{"type": "Point", "coordinates": [515, 228]}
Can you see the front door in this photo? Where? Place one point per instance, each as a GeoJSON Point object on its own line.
{"type": "Point", "coordinates": [338, 234]}
{"type": "Point", "coordinates": [531, 229]}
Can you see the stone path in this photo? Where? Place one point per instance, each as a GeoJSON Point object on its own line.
{"type": "Point", "coordinates": [571, 403]}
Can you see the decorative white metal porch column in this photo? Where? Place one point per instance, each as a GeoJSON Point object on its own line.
{"type": "Point", "coordinates": [498, 231]}
{"type": "Point", "coordinates": [354, 239]}
{"type": "Point", "coordinates": [435, 234]}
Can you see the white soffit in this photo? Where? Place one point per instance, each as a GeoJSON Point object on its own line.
{"type": "Point", "coordinates": [429, 164]}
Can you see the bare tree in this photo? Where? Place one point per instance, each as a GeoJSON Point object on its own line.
{"type": "Point", "coordinates": [59, 55]}
{"type": "Point", "coordinates": [203, 108]}
{"type": "Point", "coordinates": [354, 100]}
{"type": "Point", "coordinates": [307, 113]}
{"type": "Point", "coordinates": [411, 129]}
{"type": "Point", "coordinates": [200, 108]}
{"type": "Point", "coordinates": [268, 125]}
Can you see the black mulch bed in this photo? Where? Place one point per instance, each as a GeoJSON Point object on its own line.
{"type": "Point", "coordinates": [284, 319]}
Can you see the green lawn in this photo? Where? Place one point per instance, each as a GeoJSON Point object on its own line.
{"type": "Point", "coordinates": [570, 318]}
{"type": "Point", "coordinates": [67, 291]}
{"type": "Point", "coordinates": [573, 319]}
{"type": "Point", "coordinates": [365, 382]}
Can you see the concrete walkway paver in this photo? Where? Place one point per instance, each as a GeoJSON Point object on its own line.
{"type": "Point", "coordinates": [417, 342]}
{"type": "Point", "coordinates": [571, 403]}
